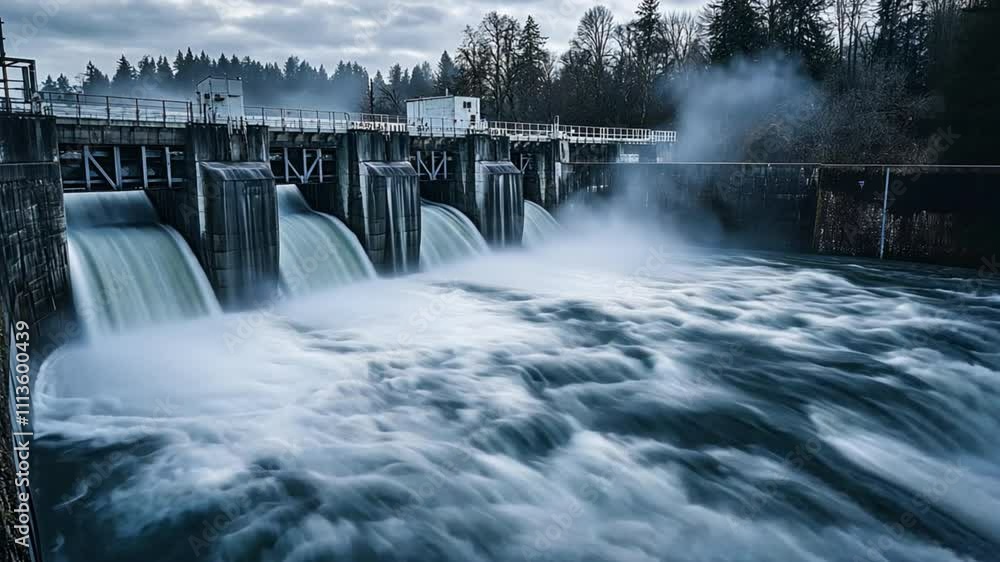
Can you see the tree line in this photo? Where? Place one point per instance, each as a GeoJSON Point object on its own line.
{"type": "Point", "coordinates": [888, 79]}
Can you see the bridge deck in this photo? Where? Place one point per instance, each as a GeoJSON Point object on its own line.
{"type": "Point", "coordinates": [89, 109]}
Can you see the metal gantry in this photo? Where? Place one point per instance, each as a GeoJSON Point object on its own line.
{"type": "Point", "coordinates": [18, 81]}
{"type": "Point", "coordinates": [120, 167]}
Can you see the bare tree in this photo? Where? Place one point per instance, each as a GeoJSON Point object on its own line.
{"type": "Point", "coordinates": [683, 39]}
{"type": "Point", "coordinates": [472, 63]}
{"type": "Point", "coordinates": [500, 35]}
{"type": "Point", "coordinates": [589, 59]}
{"type": "Point", "coordinates": [849, 19]}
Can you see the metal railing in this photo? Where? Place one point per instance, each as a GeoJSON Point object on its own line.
{"type": "Point", "coordinates": [524, 131]}
{"type": "Point", "coordinates": [312, 120]}
{"type": "Point", "coordinates": [15, 105]}
{"type": "Point", "coordinates": [574, 133]}
{"type": "Point", "coordinates": [113, 109]}
{"type": "Point", "coordinates": [582, 134]}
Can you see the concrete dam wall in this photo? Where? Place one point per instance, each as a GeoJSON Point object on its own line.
{"type": "Point", "coordinates": [34, 280]}
{"type": "Point", "coordinates": [754, 206]}
{"type": "Point", "coordinates": [936, 214]}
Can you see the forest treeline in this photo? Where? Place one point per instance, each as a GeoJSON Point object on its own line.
{"type": "Point", "coordinates": [883, 80]}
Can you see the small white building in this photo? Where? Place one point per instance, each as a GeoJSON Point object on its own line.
{"type": "Point", "coordinates": [220, 99]}
{"type": "Point", "coordinates": [445, 113]}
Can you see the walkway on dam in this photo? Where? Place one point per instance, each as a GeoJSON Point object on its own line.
{"type": "Point", "coordinates": [85, 108]}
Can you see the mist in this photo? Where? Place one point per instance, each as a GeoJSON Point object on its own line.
{"type": "Point", "coordinates": [747, 110]}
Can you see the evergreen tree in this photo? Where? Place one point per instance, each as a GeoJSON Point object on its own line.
{"type": "Point", "coordinates": [63, 85]}
{"type": "Point", "coordinates": [421, 81]}
{"type": "Point", "coordinates": [146, 76]}
{"type": "Point", "coordinates": [164, 75]}
{"type": "Point", "coordinates": [531, 76]}
{"type": "Point", "coordinates": [123, 82]}
{"type": "Point", "coordinates": [734, 28]}
{"type": "Point", "coordinates": [445, 81]}
{"type": "Point", "coordinates": [49, 85]}
{"type": "Point", "coordinates": [799, 27]}
{"type": "Point", "coordinates": [377, 93]}
{"type": "Point", "coordinates": [95, 82]}
{"type": "Point", "coordinates": [650, 53]}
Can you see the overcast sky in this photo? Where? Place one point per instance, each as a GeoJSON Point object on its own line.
{"type": "Point", "coordinates": [62, 35]}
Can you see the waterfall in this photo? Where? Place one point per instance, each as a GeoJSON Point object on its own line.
{"type": "Point", "coordinates": [539, 225]}
{"type": "Point", "coordinates": [446, 235]}
{"type": "Point", "coordinates": [126, 268]}
{"type": "Point", "coordinates": [317, 250]}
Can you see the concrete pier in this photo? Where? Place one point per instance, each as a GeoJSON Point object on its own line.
{"type": "Point", "coordinates": [227, 211]}
{"type": "Point", "coordinates": [378, 197]}
{"type": "Point", "coordinates": [481, 182]}
{"type": "Point", "coordinates": [541, 164]}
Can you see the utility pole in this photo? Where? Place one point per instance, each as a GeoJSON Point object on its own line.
{"type": "Point", "coordinates": [6, 105]}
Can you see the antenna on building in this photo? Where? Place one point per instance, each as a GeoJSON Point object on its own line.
{"type": "Point", "coordinates": [3, 50]}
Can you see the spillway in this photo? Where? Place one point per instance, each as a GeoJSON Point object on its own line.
{"type": "Point", "coordinates": [446, 235]}
{"type": "Point", "coordinates": [128, 269]}
{"type": "Point", "coordinates": [317, 250]}
{"type": "Point", "coordinates": [538, 224]}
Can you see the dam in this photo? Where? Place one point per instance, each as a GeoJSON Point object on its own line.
{"type": "Point", "coordinates": [283, 334]}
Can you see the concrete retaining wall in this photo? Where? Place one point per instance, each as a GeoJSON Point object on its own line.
{"type": "Point", "coordinates": [759, 206]}
{"type": "Point", "coordinates": [34, 279]}
{"type": "Point", "coordinates": [943, 215]}
{"type": "Point", "coordinates": [936, 214]}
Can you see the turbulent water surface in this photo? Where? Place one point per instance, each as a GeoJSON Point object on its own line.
{"type": "Point", "coordinates": [614, 398]}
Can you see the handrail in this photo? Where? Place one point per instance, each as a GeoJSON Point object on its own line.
{"type": "Point", "coordinates": [144, 110]}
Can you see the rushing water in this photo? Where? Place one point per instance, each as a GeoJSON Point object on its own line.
{"type": "Point", "coordinates": [446, 235]}
{"type": "Point", "coordinates": [127, 269]}
{"type": "Point", "coordinates": [539, 225]}
{"type": "Point", "coordinates": [317, 251]}
{"type": "Point", "coordinates": [607, 397]}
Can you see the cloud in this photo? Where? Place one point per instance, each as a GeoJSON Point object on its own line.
{"type": "Point", "coordinates": [62, 35]}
